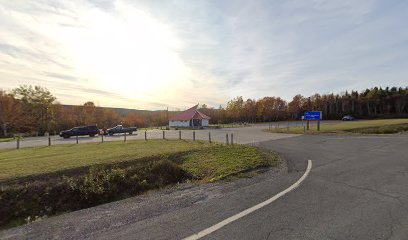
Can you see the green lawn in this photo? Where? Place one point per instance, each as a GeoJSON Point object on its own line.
{"type": "Point", "coordinates": [209, 161]}
{"type": "Point", "coordinates": [375, 126]}
{"type": "Point", "coordinates": [32, 161]}
{"type": "Point", "coordinates": [6, 139]}
{"type": "Point", "coordinates": [229, 125]}
{"type": "Point", "coordinates": [221, 161]}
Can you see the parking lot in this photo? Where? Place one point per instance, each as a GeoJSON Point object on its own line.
{"type": "Point", "coordinates": [242, 135]}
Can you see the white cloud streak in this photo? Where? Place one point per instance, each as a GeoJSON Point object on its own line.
{"type": "Point", "coordinates": [153, 54]}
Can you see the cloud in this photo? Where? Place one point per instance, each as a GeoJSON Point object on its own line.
{"type": "Point", "coordinates": [151, 54]}
{"type": "Point", "coordinates": [105, 44]}
{"type": "Point", "coordinates": [313, 46]}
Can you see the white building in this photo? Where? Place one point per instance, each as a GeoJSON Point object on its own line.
{"type": "Point", "coordinates": [189, 118]}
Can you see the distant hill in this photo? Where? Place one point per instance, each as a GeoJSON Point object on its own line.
{"type": "Point", "coordinates": [125, 111]}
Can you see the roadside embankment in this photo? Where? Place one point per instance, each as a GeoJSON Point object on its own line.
{"type": "Point", "coordinates": [29, 192]}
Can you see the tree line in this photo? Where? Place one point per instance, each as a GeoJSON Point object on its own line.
{"type": "Point", "coordinates": [377, 102]}
{"type": "Point", "coordinates": [35, 111]}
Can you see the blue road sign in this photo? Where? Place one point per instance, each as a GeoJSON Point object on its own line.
{"type": "Point", "coordinates": [313, 115]}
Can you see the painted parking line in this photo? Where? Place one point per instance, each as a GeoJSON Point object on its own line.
{"type": "Point", "coordinates": [237, 216]}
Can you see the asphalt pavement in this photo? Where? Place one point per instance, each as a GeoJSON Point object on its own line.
{"type": "Point", "coordinates": [357, 189]}
{"type": "Point", "coordinates": [244, 135]}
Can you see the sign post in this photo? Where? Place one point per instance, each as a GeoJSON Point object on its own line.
{"type": "Point", "coordinates": [313, 116]}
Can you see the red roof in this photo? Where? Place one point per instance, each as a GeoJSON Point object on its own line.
{"type": "Point", "coordinates": [191, 113]}
{"type": "Point", "coordinates": [200, 115]}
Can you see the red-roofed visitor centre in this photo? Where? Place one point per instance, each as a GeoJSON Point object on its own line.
{"type": "Point", "coordinates": [190, 118]}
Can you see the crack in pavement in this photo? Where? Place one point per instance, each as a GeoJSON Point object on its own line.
{"type": "Point", "coordinates": [346, 157]}
{"type": "Point", "coordinates": [396, 198]}
{"type": "Point", "coordinates": [394, 220]}
{"type": "Point", "coordinates": [277, 230]}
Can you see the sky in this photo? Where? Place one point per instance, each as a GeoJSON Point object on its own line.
{"type": "Point", "coordinates": [157, 54]}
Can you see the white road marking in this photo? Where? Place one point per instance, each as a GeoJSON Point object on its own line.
{"type": "Point", "coordinates": [251, 209]}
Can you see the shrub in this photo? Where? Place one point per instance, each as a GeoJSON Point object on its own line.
{"type": "Point", "coordinates": [101, 184]}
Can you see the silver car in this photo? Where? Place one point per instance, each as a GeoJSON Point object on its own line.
{"type": "Point", "coordinates": [347, 118]}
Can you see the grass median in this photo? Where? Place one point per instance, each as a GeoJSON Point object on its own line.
{"type": "Point", "coordinates": [40, 182]}
{"type": "Point", "coordinates": [384, 126]}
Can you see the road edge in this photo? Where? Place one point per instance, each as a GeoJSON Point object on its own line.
{"type": "Point", "coordinates": [247, 211]}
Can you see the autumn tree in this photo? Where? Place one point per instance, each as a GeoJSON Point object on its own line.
{"type": "Point", "coordinates": [235, 109]}
{"type": "Point", "coordinates": [89, 113]}
{"type": "Point", "coordinates": [295, 107]}
{"type": "Point", "coordinates": [106, 118]}
{"type": "Point", "coordinates": [65, 117]}
{"type": "Point", "coordinates": [36, 103]}
{"type": "Point", "coordinates": [11, 114]}
{"type": "Point", "coordinates": [266, 111]}
{"type": "Point", "coordinates": [134, 119]}
{"type": "Point", "coordinates": [250, 110]}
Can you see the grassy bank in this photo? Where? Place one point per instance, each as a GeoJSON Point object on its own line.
{"type": "Point", "coordinates": [33, 161]}
{"type": "Point", "coordinates": [364, 127]}
{"type": "Point", "coordinates": [228, 125]}
{"type": "Point", "coordinates": [29, 192]}
{"type": "Point", "coordinates": [220, 161]}
{"type": "Point", "coordinates": [6, 139]}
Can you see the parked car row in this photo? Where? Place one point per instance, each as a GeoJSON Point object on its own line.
{"type": "Point", "coordinates": [94, 130]}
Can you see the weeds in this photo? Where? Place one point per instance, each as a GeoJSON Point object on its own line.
{"type": "Point", "coordinates": [29, 199]}
{"type": "Point", "coordinates": [34, 200]}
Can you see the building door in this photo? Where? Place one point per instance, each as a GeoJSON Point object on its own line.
{"type": "Point", "coordinates": [196, 122]}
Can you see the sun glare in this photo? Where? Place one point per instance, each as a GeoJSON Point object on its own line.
{"type": "Point", "coordinates": [128, 52]}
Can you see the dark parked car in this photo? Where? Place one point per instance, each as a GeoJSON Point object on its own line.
{"type": "Point", "coordinates": [120, 129]}
{"type": "Point", "coordinates": [80, 131]}
{"type": "Point", "coordinates": [347, 118]}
